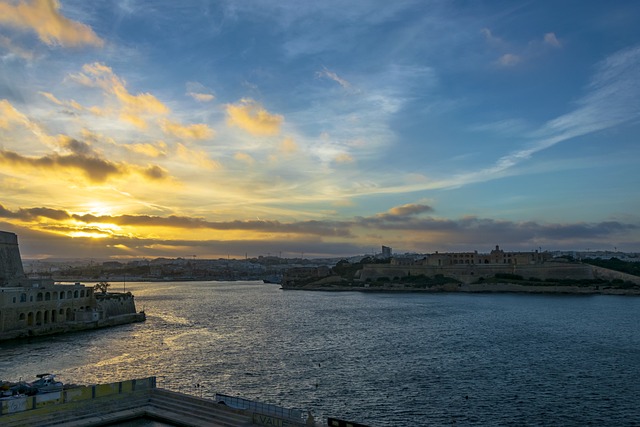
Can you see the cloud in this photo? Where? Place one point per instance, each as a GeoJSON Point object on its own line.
{"type": "Point", "coordinates": [15, 50]}
{"type": "Point", "coordinates": [325, 73]}
{"type": "Point", "coordinates": [155, 172]}
{"type": "Point", "coordinates": [43, 17]}
{"type": "Point", "coordinates": [196, 157]}
{"type": "Point", "coordinates": [344, 158]}
{"type": "Point", "coordinates": [158, 149]}
{"type": "Point", "coordinates": [490, 38]}
{"type": "Point", "coordinates": [253, 118]}
{"type": "Point", "coordinates": [424, 232]}
{"type": "Point", "coordinates": [199, 92]}
{"type": "Point", "coordinates": [31, 214]}
{"type": "Point", "coordinates": [201, 97]}
{"type": "Point", "coordinates": [244, 157]}
{"type": "Point", "coordinates": [288, 146]}
{"type": "Point", "coordinates": [408, 210]}
{"type": "Point", "coordinates": [76, 147]}
{"type": "Point", "coordinates": [96, 169]}
{"type": "Point", "coordinates": [513, 53]}
{"type": "Point", "coordinates": [193, 131]}
{"type": "Point", "coordinates": [9, 115]}
{"type": "Point", "coordinates": [82, 158]}
{"type": "Point", "coordinates": [509, 60]}
{"type": "Point", "coordinates": [135, 109]}
{"type": "Point", "coordinates": [550, 39]}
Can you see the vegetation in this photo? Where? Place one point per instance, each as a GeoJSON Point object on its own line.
{"type": "Point", "coordinates": [615, 264]}
{"type": "Point", "coordinates": [532, 281]}
{"type": "Point", "coordinates": [102, 287]}
{"type": "Point", "coordinates": [346, 270]}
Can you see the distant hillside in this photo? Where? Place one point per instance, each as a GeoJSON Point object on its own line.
{"type": "Point", "coordinates": [616, 264]}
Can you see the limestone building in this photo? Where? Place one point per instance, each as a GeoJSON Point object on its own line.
{"type": "Point", "coordinates": [31, 307]}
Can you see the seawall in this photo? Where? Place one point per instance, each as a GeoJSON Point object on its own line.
{"type": "Point", "coordinates": [470, 273]}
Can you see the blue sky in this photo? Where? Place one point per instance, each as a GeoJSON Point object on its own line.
{"type": "Point", "coordinates": [215, 128]}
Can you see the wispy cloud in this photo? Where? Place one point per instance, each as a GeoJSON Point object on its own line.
{"type": "Point", "coordinates": [512, 53]}
{"type": "Point", "coordinates": [325, 73]}
{"type": "Point", "coordinates": [199, 92]}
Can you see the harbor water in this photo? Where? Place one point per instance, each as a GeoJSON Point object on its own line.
{"type": "Point", "coordinates": [382, 359]}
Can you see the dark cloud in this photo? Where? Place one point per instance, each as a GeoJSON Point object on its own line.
{"type": "Point", "coordinates": [155, 172]}
{"type": "Point", "coordinates": [31, 214]}
{"type": "Point", "coordinates": [305, 227]}
{"type": "Point", "coordinates": [96, 169]}
{"type": "Point", "coordinates": [419, 234]}
{"type": "Point", "coordinates": [77, 147]}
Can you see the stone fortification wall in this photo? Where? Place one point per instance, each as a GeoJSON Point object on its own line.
{"type": "Point", "coordinates": [471, 273]}
{"type": "Point", "coordinates": [116, 304]}
{"type": "Point", "coordinates": [11, 271]}
{"type": "Point", "coordinates": [606, 274]}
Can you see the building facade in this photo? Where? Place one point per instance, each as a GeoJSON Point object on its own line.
{"type": "Point", "coordinates": [40, 307]}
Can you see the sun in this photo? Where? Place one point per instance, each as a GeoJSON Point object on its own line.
{"type": "Point", "coordinates": [98, 208]}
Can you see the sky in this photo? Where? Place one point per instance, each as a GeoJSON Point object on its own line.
{"type": "Point", "coordinates": [226, 128]}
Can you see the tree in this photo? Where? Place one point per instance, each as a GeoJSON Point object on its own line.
{"type": "Point", "coordinates": [101, 287]}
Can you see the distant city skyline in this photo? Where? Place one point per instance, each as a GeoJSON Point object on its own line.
{"type": "Point", "coordinates": [216, 129]}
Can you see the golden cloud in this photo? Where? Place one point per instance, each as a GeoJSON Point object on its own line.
{"type": "Point", "coordinates": [196, 157]}
{"type": "Point", "coordinates": [194, 131]}
{"type": "Point", "coordinates": [8, 115]}
{"type": "Point", "coordinates": [135, 109]}
{"type": "Point", "coordinates": [252, 117]}
{"type": "Point", "coordinates": [43, 17]}
{"type": "Point", "coordinates": [288, 146]}
{"type": "Point", "coordinates": [344, 158]}
{"type": "Point", "coordinates": [149, 150]}
{"type": "Point", "coordinates": [244, 157]}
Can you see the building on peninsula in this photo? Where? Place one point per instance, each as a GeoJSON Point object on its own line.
{"type": "Point", "coordinates": [30, 307]}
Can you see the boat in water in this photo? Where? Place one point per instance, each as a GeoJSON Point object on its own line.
{"type": "Point", "coordinates": [46, 383]}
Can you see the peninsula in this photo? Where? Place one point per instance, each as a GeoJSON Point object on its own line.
{"type": "Point", "coordinates": [32, 307]}
{"type": "Point", "coordinates": [496, 271]}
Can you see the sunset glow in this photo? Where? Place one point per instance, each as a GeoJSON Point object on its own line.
{"type": "Point", "coordinates": [144, 129]}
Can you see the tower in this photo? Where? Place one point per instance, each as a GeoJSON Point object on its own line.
{"type": "Point", "coordinates": [11, 271]}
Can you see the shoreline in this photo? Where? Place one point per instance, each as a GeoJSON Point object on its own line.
{"type": "Point", "coordinates": [476, 289]}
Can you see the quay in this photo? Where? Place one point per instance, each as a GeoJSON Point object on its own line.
{"type": "Point", "coordinates": [136, 400]}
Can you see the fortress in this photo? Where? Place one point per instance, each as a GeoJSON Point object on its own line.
{"type": "Point", "coordinates": [31, 307]}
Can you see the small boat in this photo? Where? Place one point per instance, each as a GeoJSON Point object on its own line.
{"type": "Point", "coordinates": [46, 383]}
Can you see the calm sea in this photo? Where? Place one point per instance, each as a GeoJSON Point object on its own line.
{"type": "Point", "coordinates": [376, 358]}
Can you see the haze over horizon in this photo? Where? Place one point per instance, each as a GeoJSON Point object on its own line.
{"type": "Point", "coordinates": [136, 129]}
